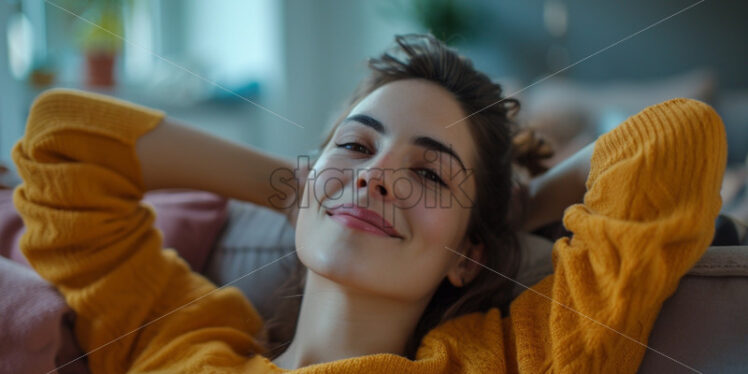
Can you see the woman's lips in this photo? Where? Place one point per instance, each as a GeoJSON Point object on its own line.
{"type": "Point", "coordinates": [362, 219]}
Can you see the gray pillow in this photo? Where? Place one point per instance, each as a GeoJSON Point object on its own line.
{"type": "Point", "coordinates": [255, 236]}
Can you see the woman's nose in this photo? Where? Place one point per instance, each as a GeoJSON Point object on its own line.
{"type": "Point", "coordinates": [377, 179]}
{"type": "Point", "coordinates": [375, 184]}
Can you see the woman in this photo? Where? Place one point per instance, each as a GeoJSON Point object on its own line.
{"type": "Point", "coordinates": [424, 287]}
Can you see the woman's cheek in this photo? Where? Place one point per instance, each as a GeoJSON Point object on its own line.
{"type": "Point", "coordinates": [329, 185]}
{"type": "Point", "coordinates": [411, 192]}
{"type": "Point", "coordinates": [436, 225]}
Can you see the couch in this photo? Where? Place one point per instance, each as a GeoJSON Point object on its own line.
{"type": "Point", "coordinates": [702, 326]}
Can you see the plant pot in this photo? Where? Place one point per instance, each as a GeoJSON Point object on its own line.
{"type": "Point", "coordinates": [100, 69]}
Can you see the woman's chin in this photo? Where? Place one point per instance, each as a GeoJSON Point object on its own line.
{"type": "Point", "coordinates": [344, 264]}
{"type": "Point", "coordinates": [368, 271]}
{"type": "Point", "coordinates": [353, 258]}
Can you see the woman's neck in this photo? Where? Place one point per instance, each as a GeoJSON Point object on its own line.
{"type": "Point", "coordinates": [337, 322]}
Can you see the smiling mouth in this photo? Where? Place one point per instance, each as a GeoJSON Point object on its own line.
{"type": "Point", "coordinates": [359, 224]}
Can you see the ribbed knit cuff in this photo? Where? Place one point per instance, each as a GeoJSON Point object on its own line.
{"type": "Point", "coordinates": [67, 110]}
{"type": "Point", "coordinates": [676, 150]}
{"type": "Point", "coordinates": [124, 120]}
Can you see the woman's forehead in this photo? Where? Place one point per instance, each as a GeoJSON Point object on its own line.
{"type": "Point", "coordinates": [412, 102]}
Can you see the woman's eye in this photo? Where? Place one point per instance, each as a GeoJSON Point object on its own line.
{"type": "Point", "coordinates": [356, 147]}
{"type": "Point", "coordinates": [426, 173]}
{"type": "Point", "coordinates": [430, 175]}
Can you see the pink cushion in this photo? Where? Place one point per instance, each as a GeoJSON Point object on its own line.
{"type": "Point", "coordinates": [190, 221]}
{"type": "Point", "coordinates": [36, 323]}
{"type": "Point", "coordinates": [11, 228]}
{"type": "Point", "coordinates": [37, 335]}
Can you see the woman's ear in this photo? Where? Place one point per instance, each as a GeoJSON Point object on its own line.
{"type": "Point", "coordinates": [466, 269]}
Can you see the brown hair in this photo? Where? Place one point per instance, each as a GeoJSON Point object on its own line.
{"type": "Point", "coordinates": [498, 204]}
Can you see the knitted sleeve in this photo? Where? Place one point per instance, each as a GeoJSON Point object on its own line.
{"type": "Point", "coordinates": [647, 217]}
{"type": "Point", "coordinates": [88, 234]}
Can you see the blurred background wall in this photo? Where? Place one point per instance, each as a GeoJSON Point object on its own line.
{"type": "Point", "coordinates": [204, 61]}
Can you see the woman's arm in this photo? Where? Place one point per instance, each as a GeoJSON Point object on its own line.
{"type": "Point", "coordinates": [138, 307]}
{"type": "Point", "coordinates": [646, 218]}
{"type": "Point", "coordinates": [557, 189]}
{"type": "Point", "coordinates": [174, 155]}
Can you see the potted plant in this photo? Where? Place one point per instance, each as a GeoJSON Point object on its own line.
{"type": "Point", "coordinates": [451, 21]}
{"type": "Point", "coordinates": [100, 40]}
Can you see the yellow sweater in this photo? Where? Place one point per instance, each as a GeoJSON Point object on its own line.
{"type": "Point", "coordinates": [648, 215]}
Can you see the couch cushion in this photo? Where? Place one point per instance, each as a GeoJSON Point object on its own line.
{"type": "Point", "coordinates": [189, 220]}
{"type": "Point", "coordinates": [253, 237]}
{"type": "Point", "coordinates": [11, 228]}
{"type": "Point", "coordinates": [36, 325]}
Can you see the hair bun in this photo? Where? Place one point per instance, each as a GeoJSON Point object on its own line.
{"type": "Point", "coordinates": [529, 150]}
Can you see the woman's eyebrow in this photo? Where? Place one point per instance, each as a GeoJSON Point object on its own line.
{"type": "Point", "coordinates": [422, 141]}
{"type": "Point", "coordinates": [435, 145]}
{"type": "Point", "coordinates": [367, 121]}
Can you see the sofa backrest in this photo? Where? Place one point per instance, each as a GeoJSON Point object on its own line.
{"type": "Point", "coordinates": [703, 324]}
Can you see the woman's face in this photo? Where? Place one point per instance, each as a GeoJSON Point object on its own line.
{"type": "Point", "coordinates": [385, 157]}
